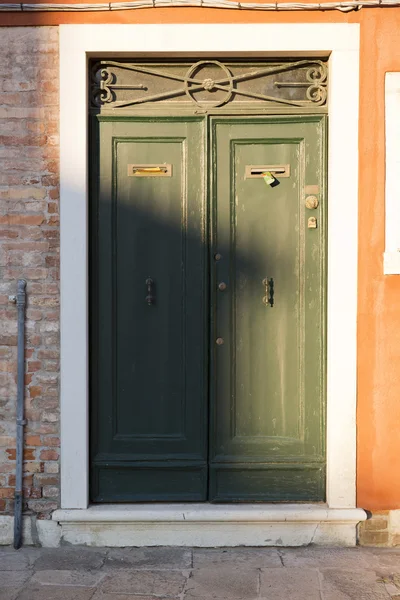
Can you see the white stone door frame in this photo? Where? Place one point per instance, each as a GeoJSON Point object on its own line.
{"type": "Point", "coordinates": [341, 43]}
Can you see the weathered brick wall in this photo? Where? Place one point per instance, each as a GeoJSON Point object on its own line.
{"type": "Point", "coordinates": [380, 529]}
{"type": "Point", "coordinates": [29, 248]}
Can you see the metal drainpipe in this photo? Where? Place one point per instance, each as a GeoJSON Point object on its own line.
{"type": "Point", "coordinates": [20, 422]}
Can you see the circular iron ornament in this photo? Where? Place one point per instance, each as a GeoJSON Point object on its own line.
{"type": "Point", "coordinates": [209, 84]}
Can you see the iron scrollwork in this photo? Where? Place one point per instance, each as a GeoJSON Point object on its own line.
{"type": "Point", "coordinates": [104, 84]}
{"type": "Point", "coordinates": [209, 84]}
{"type": "Point", "coordinates": [315, 84]}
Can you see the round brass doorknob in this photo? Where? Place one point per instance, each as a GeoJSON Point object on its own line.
{"type": "Point", "coordinates": [222, 286]}
{"type": "Point", "coordinates": [312, 202]}
{"type": "Point", "coordinates": [219, 341]}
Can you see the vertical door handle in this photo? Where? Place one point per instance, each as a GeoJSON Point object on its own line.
{"type": "Point", "coordinates": [150, 298]}
{"type": "Point", "coordinates": [269, 291]}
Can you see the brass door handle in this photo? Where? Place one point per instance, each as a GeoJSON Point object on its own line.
{"type": "Point", "coordinates": [269, 291]}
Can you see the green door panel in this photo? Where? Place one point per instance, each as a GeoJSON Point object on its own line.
{"type": "Point", "coordinates": [216, 390]}
{"type": "Point", "coordinates": [149, 416]}
{"type": "Point", "coordinates": [267, 388]}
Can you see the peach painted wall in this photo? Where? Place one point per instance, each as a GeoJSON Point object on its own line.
{"type": "Point", "coordinates": [378, 482]}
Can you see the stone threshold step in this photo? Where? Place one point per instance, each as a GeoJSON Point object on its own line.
{"type": "Point", "coordinates": [209, 525]}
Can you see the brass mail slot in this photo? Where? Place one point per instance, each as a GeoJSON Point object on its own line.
{"type": "Point", "coordinates": [150, 170]}
{"type": "Point", "coordinates": [277, 171]}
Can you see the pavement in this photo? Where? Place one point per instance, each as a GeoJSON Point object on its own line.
{"type": "Point", "coordinates": [308, 573]}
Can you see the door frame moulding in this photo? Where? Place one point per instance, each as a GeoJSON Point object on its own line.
{"type": "Point", "coordinates": [338, 41]}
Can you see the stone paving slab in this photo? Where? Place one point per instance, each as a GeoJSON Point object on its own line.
{"type": "Point", "coordinates": [149, 558]}
{"type": "Point", "coordinates": [77, 578]}
{"type": "Point", "coordinates": [309, 573]}
{"type": "Point", "coordinates": [348, 558]}
{"type": "Point", "coordinates": [361, 584]}
{"type": "Point", "coordinates": [13, 578]}
{"type": "Point", "coordinates": [224, 581]}
{"type": "Point", "coordinates": [165, 583]}
{"type": "Point", "coordinates": [387, 561]}
{"type": "Point", "coordinates": [9, 593]}
{"type": "Point", "coordinates": [70, 558]}
{"type": "Point", "coordinates": [55, 592]}
{"type": "Point", "coordinates": [14, 561]}
{"type": "Point", "coordinates": [249, 557]}
{"type": "Point", "coordinates": [10, 560]}
{"type": "Point", "coordinates": [99, 595]}
{"type": "Point", "coordinates": [293, 584]}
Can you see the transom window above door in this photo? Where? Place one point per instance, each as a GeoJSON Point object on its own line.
{"type": "Point", "coordinates": [209, 84]}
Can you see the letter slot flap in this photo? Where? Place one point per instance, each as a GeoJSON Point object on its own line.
{"type": "Point", "coordinates": [278, 171]}
{"type": "Point", "coordinates": [150, 170]}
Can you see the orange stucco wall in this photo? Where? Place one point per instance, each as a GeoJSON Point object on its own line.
{"type": "Point", "coordinates": [378, 483]}
{"type": "Point", "coordinates": [378, 480]}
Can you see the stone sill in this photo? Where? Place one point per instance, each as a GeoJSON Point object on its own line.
{"type": "Point", "coordinates": [209, 525]}
{"type": "Point", "coordinates": [184, 513]}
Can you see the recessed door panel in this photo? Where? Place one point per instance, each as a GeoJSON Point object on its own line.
{"type": "Point", "coordinates": [267, 393]}
{"type": "Point", "coordinates": [151, 276]}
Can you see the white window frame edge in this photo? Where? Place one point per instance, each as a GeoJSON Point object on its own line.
{"type": "Point", "coordinates": [341, 41]}
{"type": "Point", "coordinates": [391, 257]}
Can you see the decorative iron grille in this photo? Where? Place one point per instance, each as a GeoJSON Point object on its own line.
{"type": "Point", "coordinates": [209, 84]}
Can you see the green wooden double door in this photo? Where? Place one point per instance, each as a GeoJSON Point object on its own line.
{"type": "Point", "coordinates": [207, 309]}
